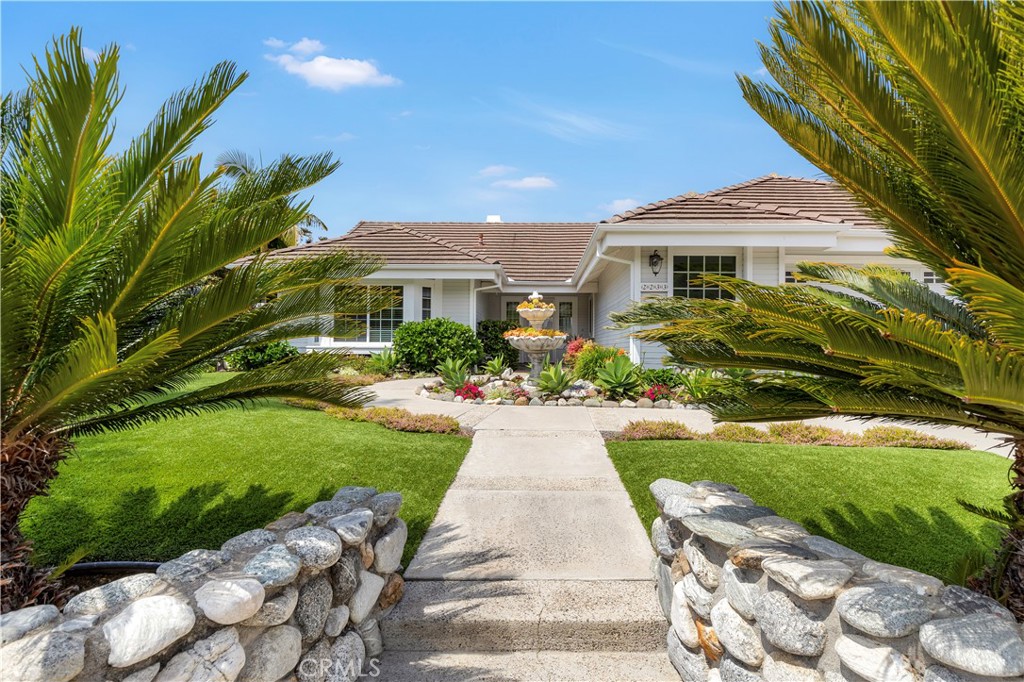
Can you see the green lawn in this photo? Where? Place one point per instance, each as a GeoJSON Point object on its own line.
{"type": "Point", "coordinates": [896, 505]}
{"type": "Point", "coordinates": [166, 488]}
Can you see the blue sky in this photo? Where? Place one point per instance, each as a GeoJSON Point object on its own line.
{"type": "Point", "coordinates": [452, 111]}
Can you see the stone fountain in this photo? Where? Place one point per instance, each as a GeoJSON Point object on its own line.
{"type": "Point", "coordinates": [536, 346]}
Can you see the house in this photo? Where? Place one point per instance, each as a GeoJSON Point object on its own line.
{"type": "Point", "coordinates": [469, 272]}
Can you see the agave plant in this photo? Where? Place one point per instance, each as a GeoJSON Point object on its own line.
{"type": "Point", "coordinates": [495, 366]}
{"type": "Point", "coordinates": [454, 372]}
{"type": "Point", "coordinates": [928, 134]}
{"type": "Point", "coordinates": [554, 379]}
{"type": "Point", "coordinates": [619, 378]}
{"type": "Point", "coordinates": [383, 362]}
{"type": "Point", "coordinates": [121, 277]}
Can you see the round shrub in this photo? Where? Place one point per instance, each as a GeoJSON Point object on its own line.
{"type": "Point", "coordinates": [495, 346]}
{"type": "Point", "coordinates": [422, 346]}
{"type": "Point", "coordinates": [261, 355]}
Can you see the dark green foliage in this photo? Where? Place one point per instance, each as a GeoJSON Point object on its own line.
{"type": "Point", "coordinates": [260, 355]}
{"type": "Point", "coordinates": [666, 376]}
{"type": "Point", "coordinates": [592, 358]}
{"type": "Point", "coordinates": [422, 346]}
{"type": "Point", "coordinates": [619, 378]}
{"type": "Point", "coordinates": [490, 334]}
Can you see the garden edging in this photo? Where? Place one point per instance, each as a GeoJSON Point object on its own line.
{"type": "Point", "coordinates": [535, 398]}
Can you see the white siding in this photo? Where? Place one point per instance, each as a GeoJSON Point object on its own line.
{"type": "Point", "coordinates": [455, 301]}
{"type": "Point", "coordinates": [614, 289]}
{"type": "Point", "coordinates": [766, 266]}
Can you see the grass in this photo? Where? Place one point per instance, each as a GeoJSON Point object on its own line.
{"type": "Point", "coordinates": [156, 492]}
{"type": "Point", "coordinates": [896, 505]}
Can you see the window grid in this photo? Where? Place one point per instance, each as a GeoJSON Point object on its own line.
{"type": "Point", "coordinates": [565, 316]}
{"type": "Point", "coordinates": [685, 269]}
{"type": "Point", "coordinates": [425, 302]}
{"type": "Point", "coordinates": [790, 277]}
{"type": "Point", "coordinates": [511, 314]}
{"type": "Point", "coordinates": [931, 278]}
{"type": "Point", "coordinates": [379, 327]}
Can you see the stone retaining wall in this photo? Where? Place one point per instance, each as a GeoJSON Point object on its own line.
{"type": "Point", "coordinates": [753, 596]}
{"type": "Point", "coordinates": [299, 599]}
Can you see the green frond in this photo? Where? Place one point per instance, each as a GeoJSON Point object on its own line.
{"type": "Point", "coordinates": [997, 304]}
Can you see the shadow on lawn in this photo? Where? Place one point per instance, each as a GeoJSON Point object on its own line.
{"type": "Point", "coordinates": [934, 543]}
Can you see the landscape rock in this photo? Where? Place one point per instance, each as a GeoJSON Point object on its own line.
{"type": "Point", "coordinates": [273, 566]}
{"type": "Point", "coordinates": [276, 610]}
{"type": "Point", "coordinates": [883, 610]}
{"type": "Point", "coordinates": [521, 402]}
{"type": "Point", "coordinates": [289, 521]}
{"type": "Point", "coordinates": [311, 610]}
{"type": "Point", "coordinates": [387, 551]}
{"type": "Point", "coordinates": [230, 601]}
{"type": "Point", "coordinates": [663, 582]}
{"type": "Point", "coordinates": [788, 626]}
{"type": "Point", "coordinates": [677, 507]}
{"type": "Point", "coordinates": [354, 494]}
{"type": "Point", "coordinates": [146, 627]}
{"type": "Point", "coordinates": [697, 596]}
{"type": "Point", "coordinates": [609, 403]}
{"type": "Point", "coordinates": [963, 601]}
{"type": "Point", "coordinates": [218, 658]}
{"type": "Point", "coordinates": [707, 572]}
{"type": "Point", "coordinates": [661, 540]}
{"type": "Point", "coordinates": [778, 528]}
{"type": "Point", "coordinates": [337, 619]}
{"type": "Point", "coordinates": [627, 404]}
{"type": "Point", "coordinates": [536, 402]}
{"type": "Point", "coordinates": [740, 638]}
{"type": "Point", "coordinates": [808, 579]}
{"type": "Point", "coordinates": [328, 508]}
{"type": "Point", "coordinates": [147, 674]}
{"type": "Point", "coordinates": [352, 527]}
{"type": "Point", "coordinates": [662, 404]}
{"type": "Point", "coordinates": [682, 618]}
{"type": "Point", "coordinates": [16, 624]}
{"type": "Point", "coordinates": [938, 673]}
{"type": "Point", "coordinates": [574, 402]}
{"type": "Point", "coordinates": [691, 665]}
{"type": "Point", "coordinates": [366, 554]}
{"type": "Point", "coordinates": [873, 661]}
{"type": "Point", "coordinates": [272, 654]}
{"type": "Point", "coordinates": [345, 575]}
{"type": "Point", "coordinates": [732, 670]}
{"type": "Point", "coordinates": [112, 596]}
{"type": "Point", "coordinates": [317, 547]}
{"type": "Point", "coordinates": [249, 540]}
{"type": "Point", "coordinates": [751, 552]}
{"type": "Point", "coordinates": [887, 573]}
{"type": "Point", "coordinates": [717, 529]}
{"type": "Point", "coordinates": [781, 667]}
{"type": "Point", "coordinates": [44, 657]}
{"type": "Point", "coordinates": [369, 632]}
{"type": "Point", "coordinates": [365, 597]}
{"type": "Point", "coordinates": [741, 589]}
{"type": "Point", "coordinates": [347, 656]}
{"type": "Point", "coordinates": [591, 402]}
{"type": "Point", "coordinates": [315, 664]}
{"type": "Point", "coordinates": [828, 549]}
{"type": "Point", "coordinates": [645, 403]}
{"type": "Point", "coordinates": [193, 565]}
{"type": "Point", "coordinates": [706, 487]}
{"type": "Point", "coordinates": [77, 624]}
{"type": "Point", "coordinates": [393, 590]}
{"type": "Point", "coordinates": [980, 643]}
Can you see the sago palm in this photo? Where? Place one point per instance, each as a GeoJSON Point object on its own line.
{"type": "Point", "coordinates": [918, 110]}
{"type": "Point", "coordinates": [109, 309]}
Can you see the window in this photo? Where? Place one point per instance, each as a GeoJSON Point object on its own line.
{"type": "Point", "coordinates": [931, 278]}
{"type": "Point", "coordinates": [425, 303]}
{"type": "Point", "coordinates": [790, 277]}
{"type": "Point", "coordinates": [685, 269]}
{"type": "Point", "coordinates": [511, 314]}
{"type": "Point", "coordinates": [381, 325]}
{"type": "Point", "coordinates": [565, 316]}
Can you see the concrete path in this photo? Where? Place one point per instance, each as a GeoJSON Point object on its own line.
{"type": "Point", "coordinates": [536, 567]}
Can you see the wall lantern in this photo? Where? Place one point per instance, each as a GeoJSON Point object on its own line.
{"type": "Point", "coordinates": [655, 260]}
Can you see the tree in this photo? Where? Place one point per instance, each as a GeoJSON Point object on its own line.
{"type": "Point", "coordinates": [108, 310]}
{"type": "Point", "coordinates": [928, 134]}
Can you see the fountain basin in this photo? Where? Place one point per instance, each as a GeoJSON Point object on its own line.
{"type": "Point", "coordinates": [537, 347]}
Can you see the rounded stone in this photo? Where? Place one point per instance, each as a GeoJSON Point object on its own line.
{"type": "Point", "coordinates": [44, 657]}
{"type": "Point", "coordinates": [373, 640]}
{"type": "Point", "coordinates": [732, 670]}
{"type": "Point", "coordinates": [829, 549]}
{"type": "Point", "coordinates": [963, 602]}
{"type": "Point", "coordinates": [664, 585]}
{"type": "Point", "coordinates": [751, 552]}
{"type": "Point", "coordinates": [316, 547]}
{"type": "Point", "coordinates": [707, 572]}
{"type": "Point", "coordinates": [980, 643]}
{"type": "Point", "coordinates": [337, 619]}
{"type": "Point", "coordinates": [146, 627]}
{"type": "Point", "coordinates": [276, 610]}
{"type": "Point", "coordinates": [741, 588]}
{"type": "Point", "coordinates": [193, 565]}
{"type": "Point", "coordinates": [808, 579]}
{"type": "Point", "coordinates": [354, 494]}
{"type": "Point", "coordinates": [328, 508]}
{"type": "Point", "coordinates": [230, 601]}
{"type": "Point", "coordinates": [682, 618]}
{"type": "Point", "coordinates": [313, 605]}
{"type": "Point", "coordinates": [740, 638]}
{"type": "Point", "coordinates": [887, 573]}
{"type": "Point", "coordinates": [273, 566]}
{"type": "Point", "coordinates": [883, 610]}
{"type": "Point", "coordinates": [781, 667]}
{"type": "Point", "coordinates": [387, 551]}
{"type": "Point", "coordinates": [938, 673]}
{"type": "Point", "coordinates": [111, 596]}
{"type": "Point", "coordinates": [345, 575]}
{"type": "Point", "coordinates": [714, 487]}
{"type": "Point", "coordinates": [691, 665]}
{"type": "Point", "coordinates": [660, 539]}
{"type": "Point", "coordinates": [873, 661]}
{"type": "Point", "coordinates": [777, 528]}
{"type": "Point", "coordinates": [663, 488]}
{"type": "Point", "coordinates": [365, 597]}
{"type": "Point", "coordinates": [316, 663]}
{"type": "Point", "coordinates": [352, 527]}
{"type": "Point", "coordinates": [716, 528]}
{"type": "Point", "coordinates": [697, 596]}
{"type": "Point", "coordinates": [16, 624]}
{"type": "Point", "coordinates": [788, 626]}
{"type": "Point", "coordinates": [249, 540]}
{"type": "Point", "coordinates": [384, 507]}
{"type": "Point", "coordinates": [272, 655]}
{"type": "Point", "coordinates": [347, 656]}
{"type": "Point", "coordinates": [219, 657]}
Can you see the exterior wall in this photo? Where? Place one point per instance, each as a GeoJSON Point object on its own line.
{"type": "Point", "coordinates": [764, 266]}
{"type": "Point", "coordinates": [614, 294]}
{"type": "Point", "coordinates": [455, 301]}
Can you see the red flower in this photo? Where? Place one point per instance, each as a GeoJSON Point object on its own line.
{"type": "Point", "coordinates": [469, 392]}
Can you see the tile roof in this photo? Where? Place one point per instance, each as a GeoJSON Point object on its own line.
{"type": "Point", "coordinates": [765, 200]}
{"type": "Point", "coordinates": [528, 252]}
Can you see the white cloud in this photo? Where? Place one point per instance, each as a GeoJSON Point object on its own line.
{"type": "Point", "coordinates": [616, 206]}
{"type": "Point", "coordinates": [496, 170]}
{"type": "Point", "coordinates": [333, 73]}
{"type": "Point", "coordinates": [529, 182]}
{"type": "Point", "coordinates": [90, 54]}
{"type": "Point", "coordinates": [307, 46]}
{"type": "Point", "coordinates": [275, 43]}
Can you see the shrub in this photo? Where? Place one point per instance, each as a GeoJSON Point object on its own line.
{"type": "Point", "coordinates": [798, 433]}
{"type": "Point", "coordinates": [554, 379]}
{"type": "Point", "coordinates": [572, 349]}
{"type": "Point", "coordinates": [454, 372]}
{"type": "Point", "coordinates": [397, 419]}
{"type": "Point", "coordinates": [666, 376]}
{"type": "Point", "coordinates": [619, 378]}
{"type": "Point", "coordinates": [591, 358]}
{"type": "Point", "coordinates": [260, 355]}
{"type": "Point", "coordinates": [499, 393]}
{"type": "Point", "coordinates": [697, 384]}
{"type": "Point", "coordinates": [740, 433]}
{"type": "Point", "coordinates": [494, 345]}
{"type": "Point", "coordinates": [421, 346]}
{"type": "Point", "coordinates": [495, 366]}
{"type": "Point", "coordinates": [658, 392]}
{"type": "Point", "coordinates": [897, 437]}
{"type": "Point", "coordinates": [647, 429]}
{"type": "Point", "coordinates": [384, 362]}
{"type": "Point", "coordinates": [469, 391]}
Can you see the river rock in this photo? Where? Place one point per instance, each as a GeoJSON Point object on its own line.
{"type": "Point", "coordinates": [112, 596]}
{"type": "Point", "coordinates": [345, 575]}
{"type": "Point", "coordinates": [732, 670]}
{"type": "Point", "coordinates": [981, 643]}
{"type": "Point", "coordinates": [663, 584]}
{"type": "Point", "coordinates": [741, 589]}
{"type": "Point", "coordinates": [292, 519]}
{"type": "Point", "coordinates": [883, 610]}
{"type": "Point", "coordinates": [645, 403]}
{"type": "Point", "coordinates": [679, 506]}
{"type": "Point", "coordinates": [272, 655]}
{"type": "Point", "coordinates": [354, 494]}
{"type": "Point", "coordinates": [938, 673]}
{"type": "Point", "coordinates": [337, 619]}
{"type": "Point", "coordinates": [347, 656]}
{"type": "Point", "coordinates": [316, 663]}
{"type": "Point", "coordinates": [369, 632]}
{"type": "Point", "coordinates": [146, 627]}
{"type": "Point", "coordinates": [660, 539]}
{"type": "Point", "coordinates": [44, 657]}
{"type": "Point", "coordinates": [697, 596]}
{"type": "Point", "coordinates": [352, 527]}
{"type": "Point", "coordinates": [393, 590]}
{"type": "Point", "coordinates": [808, 579]}
{"type": "Point", "coordinates": [316, 547]}
{"type": "Point", "coordinates": [191, 566]}
{"type": "Point", "coordinates": [328, 509]}
{"type": "Point", "coordinates": [740, 638]}
{"type": "Point", "coordinates": [384, 507]}
{"type": "Point", "coordinates": [147, 674]}
{"type": "Point", "coordinates": [707, 571]}
{"type": "Point", "coordinates": [311, 610]}
{"type": "Point", "coordinates": [873, 661]}
{"type": "Point", "coordinates": [682, 618]}
{"type": "Point", "coordinates": [963, 601]}
{"type": "Point", "coordinates": [887, 573]}
{"type": "Point", "coordinates": [276, 610]}
{"type": "Point", "coordinates": [751, 552]}
{"type": "Point", "coordinates": [781, 667]}
{"type": "Point", "coordinates": [16, 624]}
{"type": "Point", "coordinates": [663, 488]}
{"type": "Point", "coordinates": [230, 601]}
{"type": "Point", "coordinates": [828, 549]}
{"type": "Point", "coordinates": [273, 566]}
{"type": "Point", "coordinates": [249, 540]}
{"type": "Point", "coordinates": [691, 665]}
{"type": "Point", "coordinates": [362, 602]}
{"type": "Point", "coordinates": [788, 626]}
{"type": "Point", "coordinates": [777, 528]}
{"type": "Point", "coordinates": [218, 658]}
{"type": "Point", "coordinates": [387, 551]}
{"type": "Point", "coordinates": [717, 528]}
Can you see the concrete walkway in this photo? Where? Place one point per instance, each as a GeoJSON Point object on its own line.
{"type": "Point", "coordinates": [536, 567]}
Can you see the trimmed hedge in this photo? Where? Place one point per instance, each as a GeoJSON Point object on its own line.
{"type": "Point", "coordinates": [422, 346]}
{"type": "Point", "coordinates": [260, 355]}
{"type": "Point", "coordinates": [494, 344]}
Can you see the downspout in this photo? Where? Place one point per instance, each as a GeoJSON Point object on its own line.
{"type": "Point", "coordinates": [472, 300]}
{"type": "Point", "coordinates": [603, 256]}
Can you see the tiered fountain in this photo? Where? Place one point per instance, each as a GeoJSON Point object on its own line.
{"type": "Point", "coordinates": [536, 341]}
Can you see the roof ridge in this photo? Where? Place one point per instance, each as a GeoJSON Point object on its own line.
{"type": "Point", "coordinates": [454, 247]}
{"type": "Point", "coordinates": [469, 222]}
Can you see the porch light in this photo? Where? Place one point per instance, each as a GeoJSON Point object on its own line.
{"type": "Point", "coordinates": [655, 260]}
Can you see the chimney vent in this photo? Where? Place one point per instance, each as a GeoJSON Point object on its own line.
{"type": "Point", "coordinates": [494, 218]}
